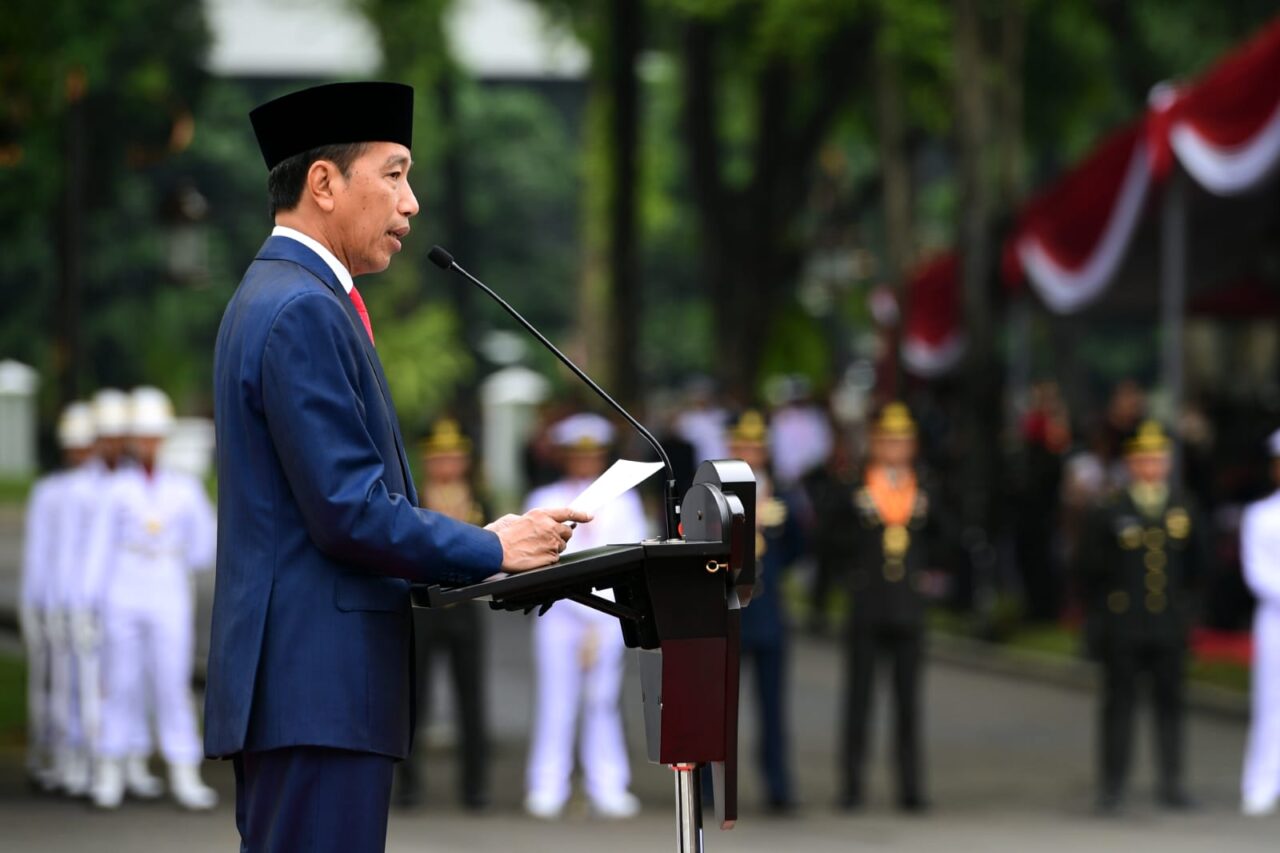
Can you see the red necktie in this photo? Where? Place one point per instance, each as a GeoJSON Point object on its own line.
{"type": "Point", "coordinates": [360, 309]}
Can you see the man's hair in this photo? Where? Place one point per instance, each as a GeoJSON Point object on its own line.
{"type": "Point", "coordinates": [286, 180]}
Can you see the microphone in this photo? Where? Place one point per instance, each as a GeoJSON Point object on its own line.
{"type": "Point", "coordinates": [441, 258]}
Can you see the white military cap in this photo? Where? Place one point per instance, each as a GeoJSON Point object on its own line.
{"type": "Point", "coordinates": [75, 426]}
{"type": "Point", "coordinates": [111, 413]}
{"type": "Point", "coordinates": [150, 412]}
{"type": "Point", "coordinates": [583, 431]}
{"type": "Point", "coordinates": [1273, 444]}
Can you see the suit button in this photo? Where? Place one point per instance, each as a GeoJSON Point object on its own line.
{"type": "Point", "coordinates": [1153, 538]}
{"type": "Point", "coordinates": [1118, 601]}
{"type": "Point", "coordinates": [1155, 561]}
{"type": "Point", "coordinates": [1156, 582]}
{"type": "Point", "coordinates": [1156, 602]}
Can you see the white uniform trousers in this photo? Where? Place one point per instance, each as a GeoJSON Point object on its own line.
{"type": "Point", "coordinates": [64, 689]}
{"type": "Point", "coordinates": [147, 654]}
{"type": "Point", "coordinates": [40, 739]}
{"type": "Point", "coordinates": [1261, 783]}
{"type": "Point", "coordinates": [578, 652]}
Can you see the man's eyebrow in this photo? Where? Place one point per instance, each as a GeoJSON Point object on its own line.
{"type": "Point", "coordinates": [397, 160]}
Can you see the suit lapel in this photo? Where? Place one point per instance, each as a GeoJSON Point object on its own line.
{"type": "Point", "coordinates": [286, 249]}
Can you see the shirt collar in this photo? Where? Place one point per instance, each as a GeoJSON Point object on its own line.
{"type": "Point", "coordinates": [325, 255]}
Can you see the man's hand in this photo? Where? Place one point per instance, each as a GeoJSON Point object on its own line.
{"type": "Point", "coordinates": [535, 539]}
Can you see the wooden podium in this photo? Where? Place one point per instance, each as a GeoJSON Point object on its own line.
{"type": "Point", "coordinates": [678, 603]}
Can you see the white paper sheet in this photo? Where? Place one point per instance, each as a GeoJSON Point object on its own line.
{"type": "Point", "coordinates": [622, 476]}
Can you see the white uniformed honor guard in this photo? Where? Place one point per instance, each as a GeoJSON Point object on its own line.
{"type": "Point", "coordinates": [155, 528]}
{"type": "Point", "coordinates": [38, 599]}
{"type": "Point", "coordinates": [74, 680]}
{"type": "Point", "coordinates": [578, 651]}
{"type": "Point", "coordinates": [1260, 556]}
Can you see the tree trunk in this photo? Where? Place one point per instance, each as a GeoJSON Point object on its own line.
{"type": "Point", "coordinates": [625, 303]}
{"type": "Point", "coordinates": [710, 196]}
{"type": "Point", "coordinates": [750, 252]}
{"type": "Point", "coordinates": [457, 229]}
{"type": "Point", "coordinates": [980, 400]}
{"type": "Point", "coordinates": [70, 241]}
{"type": "Point", "coordinates": [1011, 144]}
{"type": "Point", "coordinates": [895, 174]}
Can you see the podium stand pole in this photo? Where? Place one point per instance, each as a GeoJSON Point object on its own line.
{"type": "Point", "coordinates": [688, 809]}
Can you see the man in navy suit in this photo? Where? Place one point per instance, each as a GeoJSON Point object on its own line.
{"type": "Point", "coordinates": [319, 530]}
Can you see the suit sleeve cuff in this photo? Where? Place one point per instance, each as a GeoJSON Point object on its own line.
{"type": "Point", "coordinates": [479, 556]}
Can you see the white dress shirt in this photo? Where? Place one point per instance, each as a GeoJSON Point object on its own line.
{"type": "Point", "coordinates": [325, 255]}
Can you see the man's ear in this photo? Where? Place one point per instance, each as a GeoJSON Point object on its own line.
{"type": "Point", "coordinates": [322, 177]}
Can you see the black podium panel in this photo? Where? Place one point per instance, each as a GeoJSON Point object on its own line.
{"type": "Point", "coordinates": [593, 564]}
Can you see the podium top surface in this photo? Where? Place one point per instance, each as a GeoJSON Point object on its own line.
{"type": "Point", "coordinates": [591, 564]}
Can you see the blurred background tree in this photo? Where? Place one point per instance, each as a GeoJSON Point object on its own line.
{"type": "Point", "coordinates": [721, 193]}
{"type": "Point", "coordinates": [97, 103]}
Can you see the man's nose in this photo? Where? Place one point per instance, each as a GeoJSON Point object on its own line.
{"type": "Point", "coordinates": [408, 201]}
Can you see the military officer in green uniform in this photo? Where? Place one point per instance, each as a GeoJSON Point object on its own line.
{"type": "Point", "coordinates": [1142, 554]}
{"type": "Point", "coordinates": [895, 545]}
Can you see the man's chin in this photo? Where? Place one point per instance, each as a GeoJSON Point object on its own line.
{"type": "Point", "coordinates": [375, 265]}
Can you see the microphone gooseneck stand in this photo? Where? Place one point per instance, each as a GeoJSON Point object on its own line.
{"type": "Point", "coordinates": [441, 258]}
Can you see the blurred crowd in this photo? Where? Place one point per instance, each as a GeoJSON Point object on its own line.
{"type": "Point", "coordinates": [1118, 531]}
{"type": "Point", "coordinates": [107, 607]}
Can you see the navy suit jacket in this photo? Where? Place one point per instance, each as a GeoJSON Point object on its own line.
{"type": "Point", "coordinates": [319, 532]}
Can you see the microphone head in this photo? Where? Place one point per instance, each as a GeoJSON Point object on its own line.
{"type": "Point", "coordinates": [440, 257]}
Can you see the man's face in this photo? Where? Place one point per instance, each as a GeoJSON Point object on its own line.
{"type": "Point", "coordinates": [754, 453]}
{"type": "Point", "coordinates": [146, 447]}
{"type": "Point", "coordinates": [109, 449]}
{"type": "Point", "coordinates": [893, 451]}
{"type": "Point", "coordinates": [446, 467]}
{"type": "Point", "coordinates": [584, 464]}
{"type": "Point", "coordinates": [372, 207]}
{"type": "Point", "coordinates": [1150, 468]}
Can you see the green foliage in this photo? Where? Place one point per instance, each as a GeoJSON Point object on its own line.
{"type": "Point", "coordinates": [119, 80]}
{"type": "Point", "coordinates": [917, 36]}
{"type": "Point", "coordinates": [522, 191]}
{"type": "Point", "coordinates": [532, 196]}
{"type": "Point", "coordinates": [520, 183]}
{"type": "Point", "coordinates": [1112, 350]}
{"type": "Point", "coordinates": [797, 30]}
{"type": "Point", "coordinates": [14, 490]}
{"type": "Point", "coordinates": [13, 701]}
{"type": "Point", "coordinates": [1070, 96]}
{"type": "Point", "coordinates": [1223, 674]}
{"type": "Point", "coordinates": [424, 361]}
{"type": "Point", "coordinates": [1064, 643]}
{"type": "Point", "coordinates": [798, 346]}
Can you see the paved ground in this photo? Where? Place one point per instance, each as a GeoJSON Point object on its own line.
{"type": "Point", "coordinates": [1011, 771]}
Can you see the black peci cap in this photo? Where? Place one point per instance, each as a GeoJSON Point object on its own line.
{"type": "Point", "coordinates": [333, 114]}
